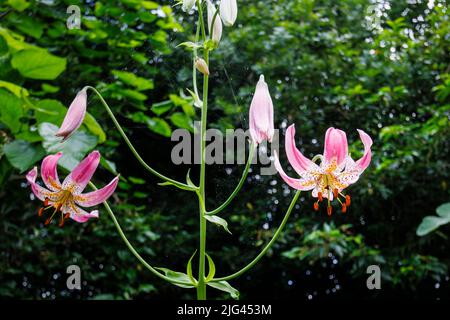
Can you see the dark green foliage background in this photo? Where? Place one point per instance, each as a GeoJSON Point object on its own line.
{"type": "Point", "coordinates": [327, 63]}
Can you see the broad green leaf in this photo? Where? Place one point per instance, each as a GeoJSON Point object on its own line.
{"type": "Point", "coordinates": [19, 5]}
{"type": "Point", "coordinates": [182, 121]}
{"type": "Point", "coordinates": [189, 269]}
{"type": "Point", "coordinates": [14, 88]}
{"type": "Point", "coordinates": [10, 110]}
{"type": "Point", "coordinates": [74, 148]}
{"type": "Point", "coordinates": [38, 64]}
{"type": "Point", "coordinates": [218, 221]}
{"type": "Point", "coordinates": [226, 287]}
{"type": "Point", "coordinates": [22, 154]}
{"type": "Point", "coordinates": [430, 223]}
{"type": "Point", "coordinates": [161, 107]}
{"type": "Point", "coordinates": [212, 268]}
{"type": "Point", "coordinates": [94, 127]}
{"type": "Point", "coordinates": [159, 126]}
{"type": "Point", "coordinates": [178, 276]}
{"type": "Point", "coordinates": [444, 210]}
{"type": "Point", "coordinates": [141, 84]}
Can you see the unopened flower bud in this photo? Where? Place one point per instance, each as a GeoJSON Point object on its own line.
{"type": "Point", "coordinates": [217, 28]}
{"type": "Point", "coordinates": [228, 12]}
{"type": "Point", "coordinates": [202, 66]}
{"type": "Point", "coordinates": [188, 5]}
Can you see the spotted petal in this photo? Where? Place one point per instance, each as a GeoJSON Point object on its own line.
{"type": "Point", "coordinates": [40, 192]}
{"type": "Point", "coordinates": [98, 196]}
{"type": "Point", "coordinates": [76, 213]}
{"type": "Point", "coordinates": [299, 184]}
{"type": "Point", "coordinates": [78, 179]}
{"type": "Point", "coordinates": [49, 172]}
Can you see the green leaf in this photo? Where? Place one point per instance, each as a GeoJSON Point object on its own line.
{"type": "Point", "coordinates": [167, 183]}
{"type": "Point", "coordinates": [429, 224]}
{"type": "Point", "coordinates": [218, 221]}
{"type": "Point", "coordinates": [444, 210]}
{"type": "Point", "coordinates": [14, 88]}
{"type": "Point", "coordinates": [19, 5]}
{"type": "Point", "coordinates": [94, 127]}
{"type": "Point", "coordinates": [10, 110]}
{"type": "Point", "coordinates": [22, 154]}
{"type": "Point", "coordinates": [159, 126]}
{"type": "Point", "coordinates": [74, 148]}
{"type": "Point", "coordinates": [38, 64]}
{"type": "Point", "coordinates": [212, 268]}
{"type": "Point", "coordinates": [181, 120]}
{"type": "Point", "coordinates": [226, 287]}
{"type": "Point", "coordinates": [189, 270]}
{"type": "Point", "coordinates": [177, 276]}
{"type": "Point", "coordinates": [141, 84]}
{"type": "Point", "coordinates": [161, 107]}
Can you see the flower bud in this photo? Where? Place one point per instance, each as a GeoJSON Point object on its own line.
{"type": "Point", "coordinates": [217, 28]}
{"type": "Point", "coordinates": [202, 66]}
{"type": "Point", "coordinates": [228, 12]}
{"type": "Point", "coordinates": [188, 5]}
{"type": "Point", "coordinates": [74, 116]}
{"type": "Point", "coordinates": [261, 113]}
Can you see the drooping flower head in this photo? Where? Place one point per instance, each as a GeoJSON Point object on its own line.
{"type": "Point", "coordinates": [337, 170]}
{"type": "Point", "coordinates": [74, 116]}
{"type": "Point", "coordinates": [261, 113]}
{"type": "Point", "coordinates": [67, 197]}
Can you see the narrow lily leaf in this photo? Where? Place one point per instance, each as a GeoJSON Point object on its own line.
{"type": "Point", "coordinates": [189, 270]}
{"type": "Point", "coordinates": [212, 268]}
{"type": "Point", "coordinates": [189, 181]}
{"type": "Point", "coordinates": [177, 276]}
{"type": "Point", "coordinates": [190, 45]}
{"type": "Point", "coordinates": [218, 221]}
{"type": "Point", "coordinates": [197, 102]}
{"type": "Point", "coordinates": [167, 183]}
{"type": "Point", "coordinates": [226, 287]}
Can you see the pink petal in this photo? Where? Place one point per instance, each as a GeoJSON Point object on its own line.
{"type": "Point", "coordinates": [98, 196]}
{"type": "Point", "coordinates": [336, 146]}
{"type": "Point", "coordinates": [78, 179]}
{"type": "Point", "coordinates": [364, 162]}
{"type": "Point", "coordinates": [298, 161]}
{"type": "Point", "coordinates": [299, 184]}
{"type": "Point", "coordinates": [261, 113]}
{"type": "Point", "coordinates": [40, 192]}
{"type": "Point", "coordinates": [49, 172]}
{"type": "Point", "coordinates": [74, 116]}
{"type": "Point", "coordinates": [78, 214]}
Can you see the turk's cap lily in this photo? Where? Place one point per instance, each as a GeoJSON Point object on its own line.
{"type": "Point", "coordinates": [261, 113]}
{"type": "Point", "coordinates": [336, 171]}
{"type": "Point", "coordinates": [74, 116]}
{"type": "Point", "coordinates": [228, 12]}
{"type": "Point", "coordinates": [67, 197]}
{"type": "Point", "coordinates": [217, 28]}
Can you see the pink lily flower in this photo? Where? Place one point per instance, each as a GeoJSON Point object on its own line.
{"type": "Point", "coordinates": [66, 197]}
{"type": "Point", "coordinates": [261, 113]}
{"type": "Point", "coordinates": [74, 116]}
{"type": "Point", "coordinates": [337, 170]}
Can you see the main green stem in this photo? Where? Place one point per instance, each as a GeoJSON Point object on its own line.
{"type": "Point", "coordinates": [201, 286]}
{"type": "Point", "coordinates": [267, 247]}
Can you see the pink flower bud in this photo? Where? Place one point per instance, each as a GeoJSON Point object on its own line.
{"type": "Point", "coordinates": [201, 66]}
{"type": "Point", "coordinates": [74, 116]}
{"type": "Point", "coordinates": [261, 113]}
{"type": "Point", "coordinates": [217, 28]}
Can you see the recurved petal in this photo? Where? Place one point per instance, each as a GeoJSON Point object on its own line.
{"type": "Point", "coordinates": [98, 196]}
{"type": "Point", "coordinates": [78, 179]}
{"type": "Point", "coordinates": [298, 161]}
{"type": "Point", "coordinates": [336, 146]}
{"type": "Point", "coordinates": [78, 214]}
{"type": "Point", "coordinates": [40, 192]}
{"type": "Point", "coordinates": [299, 184]}
{"type": "Point", "coordinates": [49, 172]}
{"type": "Point", "coordinates": [364, 162]}
{"type": "Point", "coordinates": [74, 116]}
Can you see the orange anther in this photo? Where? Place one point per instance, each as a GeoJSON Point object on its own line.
{"type": "Point", "coordinates": [46, 202]}
{"type": "Point", "coordinates": [41, 211]}
{"type": "Point", "coordinates": [335, 193]}
{"type": "Point", "coordinates": [320, 196]}
{"type": "Point", "coordinates": [329, 210]}
{"type": "Point", "coordinates": [316, 206]}
{"type": "Point", "coordinates": [347, 200]}
{"type": "Point", "coordinates": [67, 215]}
{"type": "Point", "coordinates": [344, 208]}
{"type": "Point", "coordinates": [47, 222]}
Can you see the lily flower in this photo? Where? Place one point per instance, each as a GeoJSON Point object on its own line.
{"type": "Point", "coordinates": [337, 170]}
{"type": "Point", "coordinates": [74, 116]}
{"type": "Point", "coordinates": [228, 12]}
{"type": "Point", "coordinates": [66, 197]}
{"type": "Point", "coordinates": [261, 113]}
